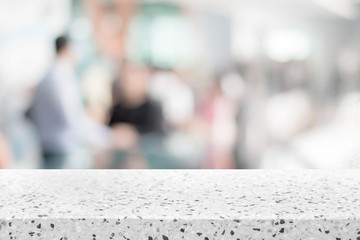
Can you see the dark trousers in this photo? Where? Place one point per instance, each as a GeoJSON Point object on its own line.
{"type": "Point", "coordinates": [53, 160]}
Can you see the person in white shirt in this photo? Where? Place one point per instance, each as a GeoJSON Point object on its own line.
{"type": "Point", "coordinates": [59, 115]}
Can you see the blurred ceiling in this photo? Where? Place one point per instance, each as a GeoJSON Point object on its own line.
{"type": "Point", "coordinates": [348, 9]}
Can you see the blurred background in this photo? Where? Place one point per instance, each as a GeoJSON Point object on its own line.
{"type": "Point", "coordinates": [180, 84]}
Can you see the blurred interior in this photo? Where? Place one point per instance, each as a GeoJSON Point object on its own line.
{"type": "Point", "coordinates": [240, 84]}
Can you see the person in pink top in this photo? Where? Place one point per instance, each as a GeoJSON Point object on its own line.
{"type": "Point", "coordinates": [5, 153]}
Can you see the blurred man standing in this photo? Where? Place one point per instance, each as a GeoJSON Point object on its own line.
{"type": "Point", "coordinates": [59, 115]}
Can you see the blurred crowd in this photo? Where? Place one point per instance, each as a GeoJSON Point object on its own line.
{"type": "Point", "coordinates": [172, 84]}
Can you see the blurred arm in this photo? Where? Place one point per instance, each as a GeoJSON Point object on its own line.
{"type": "Point", "coordinates": [71, 109]}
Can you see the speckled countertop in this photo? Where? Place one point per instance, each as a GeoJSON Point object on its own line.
{"type": "Point", "coordinates": [150, 205]}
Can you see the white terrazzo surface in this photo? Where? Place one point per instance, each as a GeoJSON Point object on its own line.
{"type": "Point", "coordinates": [191, 205]}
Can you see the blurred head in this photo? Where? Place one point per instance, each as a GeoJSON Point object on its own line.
{"type": "Point", "coordinates": [134, 83]}
{"type": "Point", "coordinates": [62, 47]}
{"type": "Point", "coordinates": [61, 43]}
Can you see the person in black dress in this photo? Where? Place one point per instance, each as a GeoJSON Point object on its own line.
{"type": "Point", "coordinates": [136, 120]}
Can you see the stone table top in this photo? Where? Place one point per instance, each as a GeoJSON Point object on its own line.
{"type": "Point", "coordinates": [179, 204]}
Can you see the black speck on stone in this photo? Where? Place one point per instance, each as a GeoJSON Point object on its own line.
{"type": "Point", "coordinates": [282, 230]}
{"type": "Point", "coordinates": [182, 230]}
{"type": "Point", "coordinates": [256, 229]}
{"type": "Point", "coordinates": [150, 238]}
{"type": "Point", "coordinates": [282, 221]}
{"type": "Point", "coordinates": [199, 233]}
{"type": "Point", "coordinates": [206, 238]}
{"type": "Point", "coordinates": [232, 232]}
{"type": "Point", "coordinates": [39, 226]}
{"type": "Point", "coordinates": [52, 225]}
{"type": "Point", "coordinates": [165, 237]}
